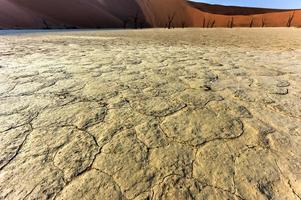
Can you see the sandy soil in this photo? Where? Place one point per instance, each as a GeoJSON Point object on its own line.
{"type": "Point", "coordinates": [151, 114]}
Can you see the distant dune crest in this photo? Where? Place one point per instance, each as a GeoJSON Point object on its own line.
{"type": "Point", "coordinates": [137, 14]}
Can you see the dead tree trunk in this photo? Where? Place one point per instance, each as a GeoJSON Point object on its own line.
{"type": "Point", "coordinates": [252, 22]}
{"type": "Point", "coordinates": [213, 23]}
{"type": "Point", "coordinates": [141, 24]}
{"type": "Point", "coordinates": [204, 22]}
{"type": "Point", "coordinates": [170, 20]}
{"type": "Point", "coordinates": [135, 19]}
{"type": "Point", "coordinates": [45, 24]}
{"type": "Point", "coordinates": [208, 23]}
{"type": "Point", "coordinates": [125, 22]}
{"type": "Point", "coordinates": [262, 22]}
{"type": "Point", "coordinates": [183, 24]}
{"type": "Point", "coordinates": [231, 22]}
{"type": "Point", "coordinates": [290, 19]}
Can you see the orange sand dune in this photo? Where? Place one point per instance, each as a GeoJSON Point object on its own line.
{"type": "Point", "coordinates": [232, 10]}
{"type": "Point", "coordinates": [224, 16]}
{"type": "Point", "coordinates": [137, 13]}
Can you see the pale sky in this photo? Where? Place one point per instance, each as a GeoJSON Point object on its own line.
{"type": "Point", "coordinates": [285, 4]}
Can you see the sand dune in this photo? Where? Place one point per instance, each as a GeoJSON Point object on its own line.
{"type": "Point", "coordinates": [224, 16]}
{"type": "Point", "coordinates": [74, 13]}
{"type": "Point", "coordinates": [13, 15]}
{"type": "Point", "coordinates": [158, 12]}
{"type": "Point", "coordinates": [136, 13]}
{"type": "Point", "coordinates": [231, 10]}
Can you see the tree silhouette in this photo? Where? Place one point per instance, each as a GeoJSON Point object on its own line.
{"type": "Point", "coordinates": [170, 20]}
{"type": "Point", "coordinates": [208, 23]}
{"type": "Point", "coordinates": [251, 22]}
{"type": "Point", "coordinates": [141, 24]}
{"type": "Point", "coordinates": [262, 22]}
{"type": "Point", "coordinates": [213, 23]}
{"type": "Point", "coordinates": [183, 24]}
{"type": "Point", "coordinates": [204, 22]}
{"type": "Point", "coordinates": [135, 19]}
{"type": "Point", "coordinates": [290, 19]}
{"type": "Point", "coordinates": [231, 22]}
{"type": "Point", "coordinates": [45, 24]}
{"type": "Point", "coordinates": [125, 22]}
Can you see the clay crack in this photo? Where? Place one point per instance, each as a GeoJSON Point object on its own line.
{"type": "Point", "coordinates": [19, 147]}
{"type": "Point", "coordinates": [288, 181]}
{"type": "Point", "coordinates": [293, 190]}
{"type": "Point", "coordinates": [224, 190]}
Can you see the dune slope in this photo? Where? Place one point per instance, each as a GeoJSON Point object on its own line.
{"type": "Point", "coordinates": [137, 14]}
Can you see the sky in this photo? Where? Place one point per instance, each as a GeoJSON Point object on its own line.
{"type": "Point", "coordinates": [285, 4]}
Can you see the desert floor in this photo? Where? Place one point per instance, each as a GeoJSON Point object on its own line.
{"type": "Point", "coordinates": [151, 114]}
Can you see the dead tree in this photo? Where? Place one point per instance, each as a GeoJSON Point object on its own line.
{"type": "Point", "coordinates": [135, 19]}
{"type": "Point", "coordinates": [45, 24]}
{"type": "Point", "coordinates": [208, 23]}
{"type": "Point", "coordinates": [212, 24]}
{"type": "Point", "coordinates": [204, 22]}
{"type": "Point", "coordinates": [262, 22]}
{"type": "Point", "coordinates": [183, 24]}
{"type": "Point", "coordinates": [231, 22]}
{"type": "Point", "coordinates": [252, 22]}
{"type": "Point", "coordinates": [125, 22]}
{"type": "Point", "coordinates": [170, 20]}
{"type": "Point", "coordinates": [290, 19]}
{"type": "Point", "coordinates": [141, 24]}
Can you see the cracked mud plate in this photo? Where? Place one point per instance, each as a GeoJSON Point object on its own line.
{"type": "Point", "coordinates": [153, 114]}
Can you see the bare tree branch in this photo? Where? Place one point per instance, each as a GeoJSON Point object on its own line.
{"type": "Point", "coordinates": [262, 22]}
{"type": "Point", "coordinates": [213, 23]}
{"type": "Point", "coordinates": [252, 22]}
{"type": "Point", "coordinates": [125, 22]}
{"type": "Point", "coordinates": [135, 19]}
{"type": "Point", "coordinates": [231, 22]}
{"type": "Point", "coordinates": [208, 23]}
{"type": "Point", "coordinates": [141, 24]}
{"type": "Point", "coordinates": [290, 19]}
{"type": "Point", "coordinates": [170, 20]}
{"type": "Point", "coordinates": [45, 24]}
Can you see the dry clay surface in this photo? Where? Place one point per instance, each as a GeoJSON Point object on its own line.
{"type": "Point", "coordinates": [151, 114]}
